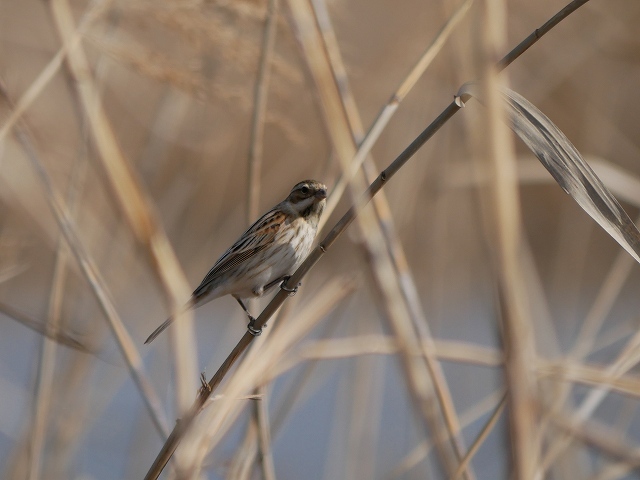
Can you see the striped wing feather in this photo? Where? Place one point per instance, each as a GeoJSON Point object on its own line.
{"type": "Point", "coordinates": [259, 236]}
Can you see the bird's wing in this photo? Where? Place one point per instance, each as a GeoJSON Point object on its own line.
{"type": "Point", "coordinates": [259, 236]}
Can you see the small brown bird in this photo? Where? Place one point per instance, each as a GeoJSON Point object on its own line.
{"type": "Point", "coordinates": [266, 254]}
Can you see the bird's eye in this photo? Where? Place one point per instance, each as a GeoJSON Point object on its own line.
{"type": "Point", "coordinates": [304, 190]}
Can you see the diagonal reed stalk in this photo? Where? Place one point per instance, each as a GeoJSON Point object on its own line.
{"type": "Point", "coordinates": [186, 422]}
{"type": "Point", "coordinates": [133, 202]}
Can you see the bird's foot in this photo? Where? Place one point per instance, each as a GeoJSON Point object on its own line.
{"type": "Point", "coordinates": [290, 291]}
{"type": "Point", "coordinates": [252, 329]}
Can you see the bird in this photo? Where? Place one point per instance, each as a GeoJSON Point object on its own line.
{"type": "Point", "coordinates": [266, 254]}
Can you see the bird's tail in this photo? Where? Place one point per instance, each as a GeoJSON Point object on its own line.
{"type": "Point", "coordinates": [166, 323]}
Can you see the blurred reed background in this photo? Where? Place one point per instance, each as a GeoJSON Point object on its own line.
{"type": "Point", "coordinates": [338, 386]}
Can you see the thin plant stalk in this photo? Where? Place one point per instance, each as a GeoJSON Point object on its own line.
{"type": "Point", "coordinates": [482, 436]}
{"type": "Point", "coordinates": [506, 222]}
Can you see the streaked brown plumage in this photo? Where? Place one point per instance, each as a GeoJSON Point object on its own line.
{"type": "Point", "coordinates": [269, 251]}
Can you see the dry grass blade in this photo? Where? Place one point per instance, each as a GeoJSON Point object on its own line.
{"type": "Point", "coordinates": [349, 347]}
{"type": "Point", "coordinates": [296, 385]}
{"type": "Point", "coordinates": [613, 471]}
{"type": "Point", "coordinates": [44, 384]}
{"type": "Point", "coordinates": [568, 168]}
{"type": "Point", "coordinates": [573, 174]}
{"type": "Point", "coordinates": [299, 384]}
{"type": "Point", "coordinates": [603, 303]}
{"type": "Point", "coordinates": [178, 82]}
{"type": "Point", "coordinates": [134, 204]}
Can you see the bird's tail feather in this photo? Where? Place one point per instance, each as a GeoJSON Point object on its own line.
{"type": "Point", "coordinates": [166, 323]}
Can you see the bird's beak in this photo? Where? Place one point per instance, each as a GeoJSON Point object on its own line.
{"type": "Point", "coordinates": [321, 194]}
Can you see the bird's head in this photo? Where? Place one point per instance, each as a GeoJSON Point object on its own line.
{"type": "Point", "coordinates": [308, 199]}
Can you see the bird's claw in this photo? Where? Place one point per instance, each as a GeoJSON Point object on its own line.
{"type": "Point", "coordinates": [290, 291]}
{"type": "Point", "coordinates": [252, 329]}
{"type": "Point", "coordinates": [204, 385]}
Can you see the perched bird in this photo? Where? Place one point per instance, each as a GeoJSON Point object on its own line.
{"type": "Point", "coordinates": [266, 254]}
